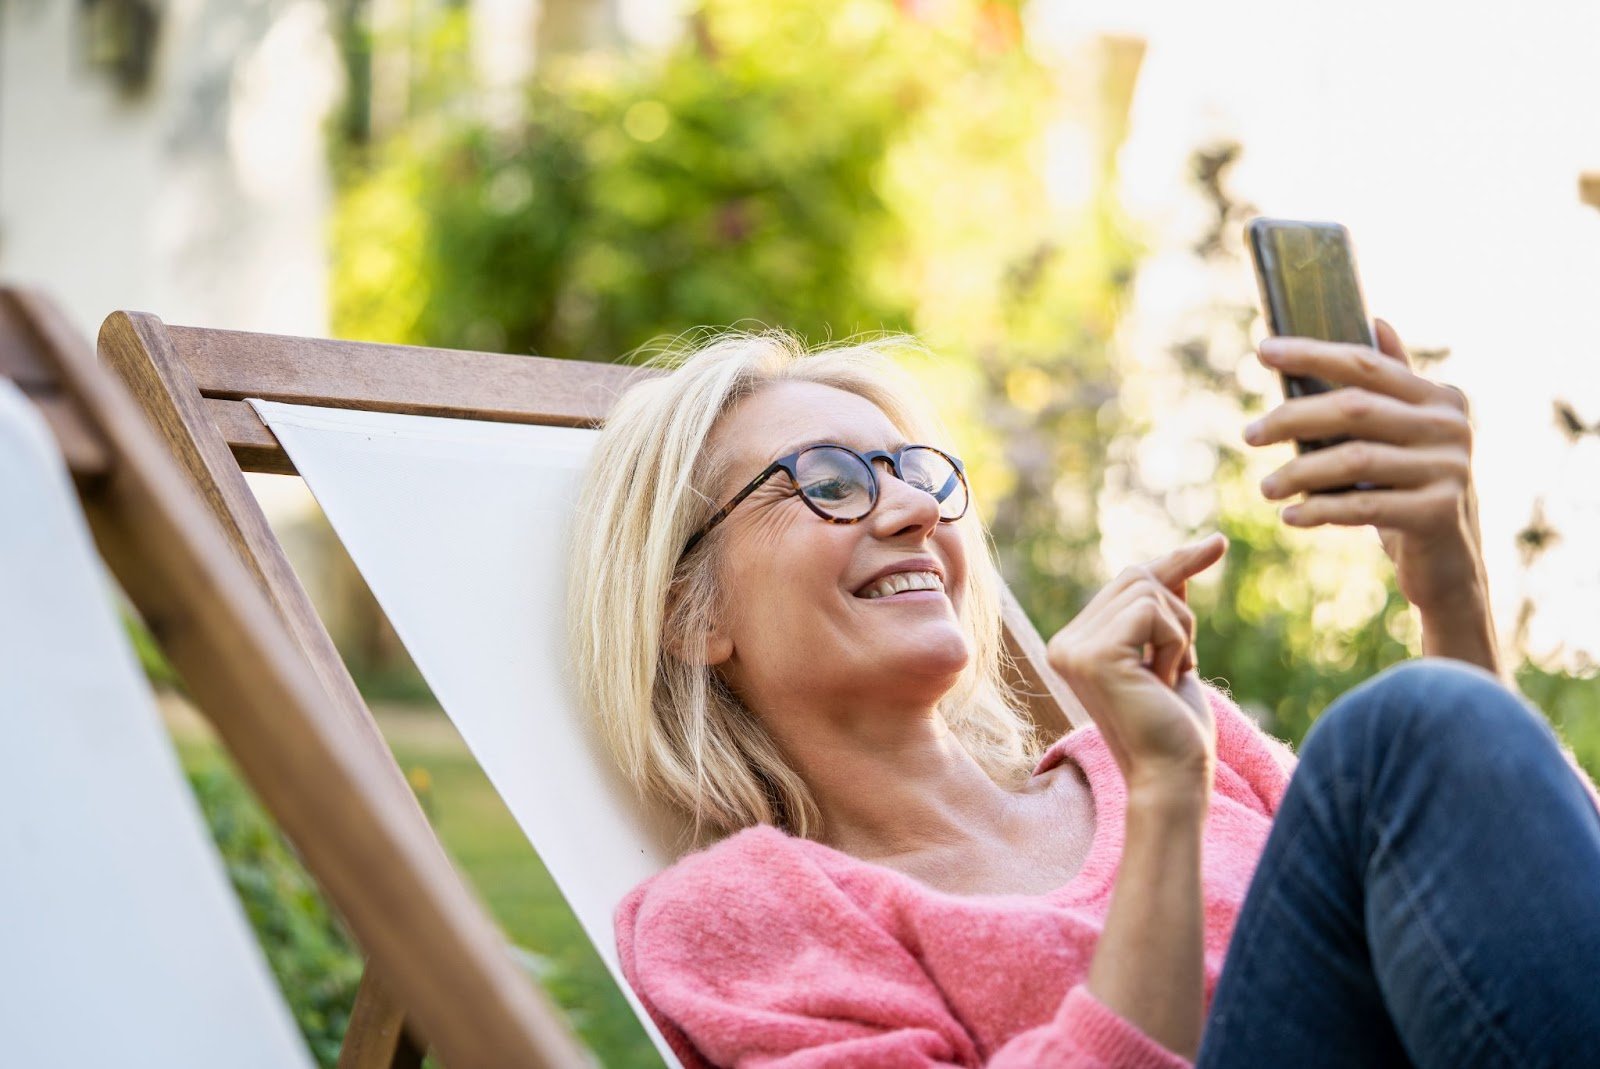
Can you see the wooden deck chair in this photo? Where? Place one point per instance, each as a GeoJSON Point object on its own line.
{"type": "Point", "coordinates": [448, 476]}
{"type": "Point", "coordinates": [120, 944]}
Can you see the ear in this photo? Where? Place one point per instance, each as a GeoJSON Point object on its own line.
{"type": "Point", "coordinates": [710, 648]}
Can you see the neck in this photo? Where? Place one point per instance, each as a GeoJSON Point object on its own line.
{"type": "Point", "coordinates": [890, 781]}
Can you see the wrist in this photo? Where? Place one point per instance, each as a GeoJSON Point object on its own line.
{"type": "Point", "coordinates": [1171, 795]}
{"type": "Point", "coordinates": [1464, 631]}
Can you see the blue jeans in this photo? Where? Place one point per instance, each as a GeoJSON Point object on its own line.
{"type": "Point", "coordinates": [1429, 893]}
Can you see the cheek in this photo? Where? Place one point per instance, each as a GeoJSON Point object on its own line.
{"type": "Point", "coordinates": [779, 571]}
{"type": "Point", "coordinates": [953, 549]}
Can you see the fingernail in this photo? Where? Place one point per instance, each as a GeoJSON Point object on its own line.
{"type": "Point", "coordinates": [1271, 347]}
{"type": "Point", "coordinates": [1252, 432]}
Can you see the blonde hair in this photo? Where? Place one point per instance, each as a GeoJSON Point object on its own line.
{"type": "Point", "coordinates": [677, 730]}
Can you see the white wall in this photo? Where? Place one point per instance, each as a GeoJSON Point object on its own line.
{"type": "Point", "coordinates": [205, 200]}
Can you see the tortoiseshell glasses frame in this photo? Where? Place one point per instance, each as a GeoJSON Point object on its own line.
{"type": "Point", "coordinates": [952, 492]}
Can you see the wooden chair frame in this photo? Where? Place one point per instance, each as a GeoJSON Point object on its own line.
{"type": "Point", "coordinates": [192, 383]}
{"type": "Point", "coordinates": [332, 788]}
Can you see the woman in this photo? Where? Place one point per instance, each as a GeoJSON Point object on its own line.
{"type": "Point", "coordinates": [791, 632]}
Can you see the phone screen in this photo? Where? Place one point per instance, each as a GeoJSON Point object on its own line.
{"type": "Point", "coordinates": [1308, 276]}
{"type": "Point", "coordinates": [1309, 289]}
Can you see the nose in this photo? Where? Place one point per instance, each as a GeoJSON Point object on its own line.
{"type": "Point", "coordinates": [902, 508]}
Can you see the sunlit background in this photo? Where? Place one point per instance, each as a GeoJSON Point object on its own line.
{"type": "Point", "coordinates": [1051, 195]}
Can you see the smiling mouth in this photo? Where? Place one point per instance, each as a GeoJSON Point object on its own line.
{"type": "Point", "coordinates": [901, 583]}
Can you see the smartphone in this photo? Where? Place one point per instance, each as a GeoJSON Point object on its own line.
{"type": "Point", "coordinates": [1309, 289]}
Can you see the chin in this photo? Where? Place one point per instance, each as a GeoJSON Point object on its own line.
{"type": "Point", "coordinates": [944, 651]}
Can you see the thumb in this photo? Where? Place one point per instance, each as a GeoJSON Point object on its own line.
{"type": "Point", "coordinates": [1389, 342]}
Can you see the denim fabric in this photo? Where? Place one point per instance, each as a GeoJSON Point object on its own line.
{"type": "Point", "coordinates": [1429, 894]}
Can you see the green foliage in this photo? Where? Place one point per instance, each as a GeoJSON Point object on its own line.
{"type": "Point", "coordinates": [315, 962]}
{"type": "Point", "coordinates": [721, 182]}
{"type": "Point", "coordinates": [832, 167]}
{"type": "Point", "coordinates": [316, 967]}
{"type": "Point", "coordinates": [484, 840]}
{"type": "Point", "coordinates": [151, 659]}
{"type": "Point", "coordinates": [1572, 704]}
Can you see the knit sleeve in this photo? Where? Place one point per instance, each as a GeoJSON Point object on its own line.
{"type": "Point", "coordinates": [773, 966]}
{"type": "Point", "coordinates": [1252, 766]}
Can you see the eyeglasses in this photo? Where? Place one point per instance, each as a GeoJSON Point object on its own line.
{"type": "Point", "coordinates": [841, 485]}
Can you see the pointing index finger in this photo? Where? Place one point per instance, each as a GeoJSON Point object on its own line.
{"type": "Point", "coordinates": [1174, 569]}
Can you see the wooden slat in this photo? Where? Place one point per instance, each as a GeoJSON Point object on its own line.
{"type": "Point", "coordinates": [376, 1037]}
{"type": "Point", "coordinates": [233, 365]}
{"type": "Point", "coordinates": [1589, 188]}
{"type": "Point", "coordinates": [367, 844]}
{"type": "Point", "coordinates": [136, 347]}
{"type": "Point", "coordinates": [19, 347]}
{"type": "Point", "coordinates": [28, 332]}
{"type": "Point", "coordinates": [1051, 702]}
{"type": "Point", "coordinates": [254, 446]}
{"type": "Point", "coordinates": [80, 447]}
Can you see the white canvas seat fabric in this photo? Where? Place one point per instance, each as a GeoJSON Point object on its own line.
{"type": "Point", "coordinates": [121, 941]}
{"type": "Point", "coordinates": [459, 527]}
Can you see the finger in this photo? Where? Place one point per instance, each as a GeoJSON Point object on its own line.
{"type": "Point", "coordinates": [1152, 586]}
{"type": "Point", "coordinates": [1348, 365]}
{"type": "Point", "coordinates": [1423, 510]}
{"type": "Point", "coordinates": [1169, 640]}
{"type": "Point", "coordinates": [1349, 463]}
{"type": "Point", "coordinates": [1149, 625]}
{"type": "Point", "coordinates": [1172, 569]}
{"type": "Point", "coordinates": [1360, 414]}
{"type": "Point", "coordinates": [1389, 342]}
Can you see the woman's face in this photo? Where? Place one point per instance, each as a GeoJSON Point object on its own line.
{"type": "Point", "coordinates": [796, 630]}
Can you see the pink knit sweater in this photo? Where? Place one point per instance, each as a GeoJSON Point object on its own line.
{"type": "Point", "coordinates": [775, 951]}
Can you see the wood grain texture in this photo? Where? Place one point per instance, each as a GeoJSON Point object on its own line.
{"type": "Point", "coordinates": [254, 446]}
{"type": "Point", "coordinates": [365, 843]}
{"type": "Point", "coordinates": [31, 326]}
{"type": "Point", "coordinates": [1050, 701]}
{"type": "Point", "coordinates": [136, 347]}
{"type": "Point", "coordinates": [233, 365]}
{"type": "Point", "coordinates": [376, 1037]}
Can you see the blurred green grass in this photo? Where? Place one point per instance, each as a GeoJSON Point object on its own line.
{"type": "Point", "coordinates": [486, 845]}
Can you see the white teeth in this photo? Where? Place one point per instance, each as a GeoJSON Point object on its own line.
{"type": "Point", "coordinates": [902, 581]}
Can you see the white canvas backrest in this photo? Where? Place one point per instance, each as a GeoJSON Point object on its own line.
{"type": "Point", "coordinates": [121, 941]}
{"type": "Point", "coordinates": [459, 527]}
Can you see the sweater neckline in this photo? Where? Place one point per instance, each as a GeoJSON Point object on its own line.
{"type": "Point", "coordinates": [1085, 747]}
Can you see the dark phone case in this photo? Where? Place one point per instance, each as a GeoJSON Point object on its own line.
{"type": "Point", "coordinates": [1271, 277]}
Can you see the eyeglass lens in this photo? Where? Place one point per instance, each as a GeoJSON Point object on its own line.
{"type": "Point", "coordinates": [837, 481]}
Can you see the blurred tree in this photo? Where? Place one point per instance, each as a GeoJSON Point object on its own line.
{"type": "Point", "coordinates": [1295, 618]}
{"type": "Point", "coordinates": [833, 167]}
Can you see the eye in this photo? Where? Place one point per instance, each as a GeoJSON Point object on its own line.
{"type": "Point", "coordinates": [833, 489]}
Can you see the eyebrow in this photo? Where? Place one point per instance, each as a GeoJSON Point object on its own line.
{"type": "Point", "coordinates": [830, 441]}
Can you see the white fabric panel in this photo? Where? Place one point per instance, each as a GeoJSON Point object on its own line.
{"type": "Point", "coordinates": [459, 527]}
{"type": "Point", "coordinates": [121, 941]}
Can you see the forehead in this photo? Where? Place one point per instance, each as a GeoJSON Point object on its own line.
{"type": "Point", "coordinates": [780, 418]}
